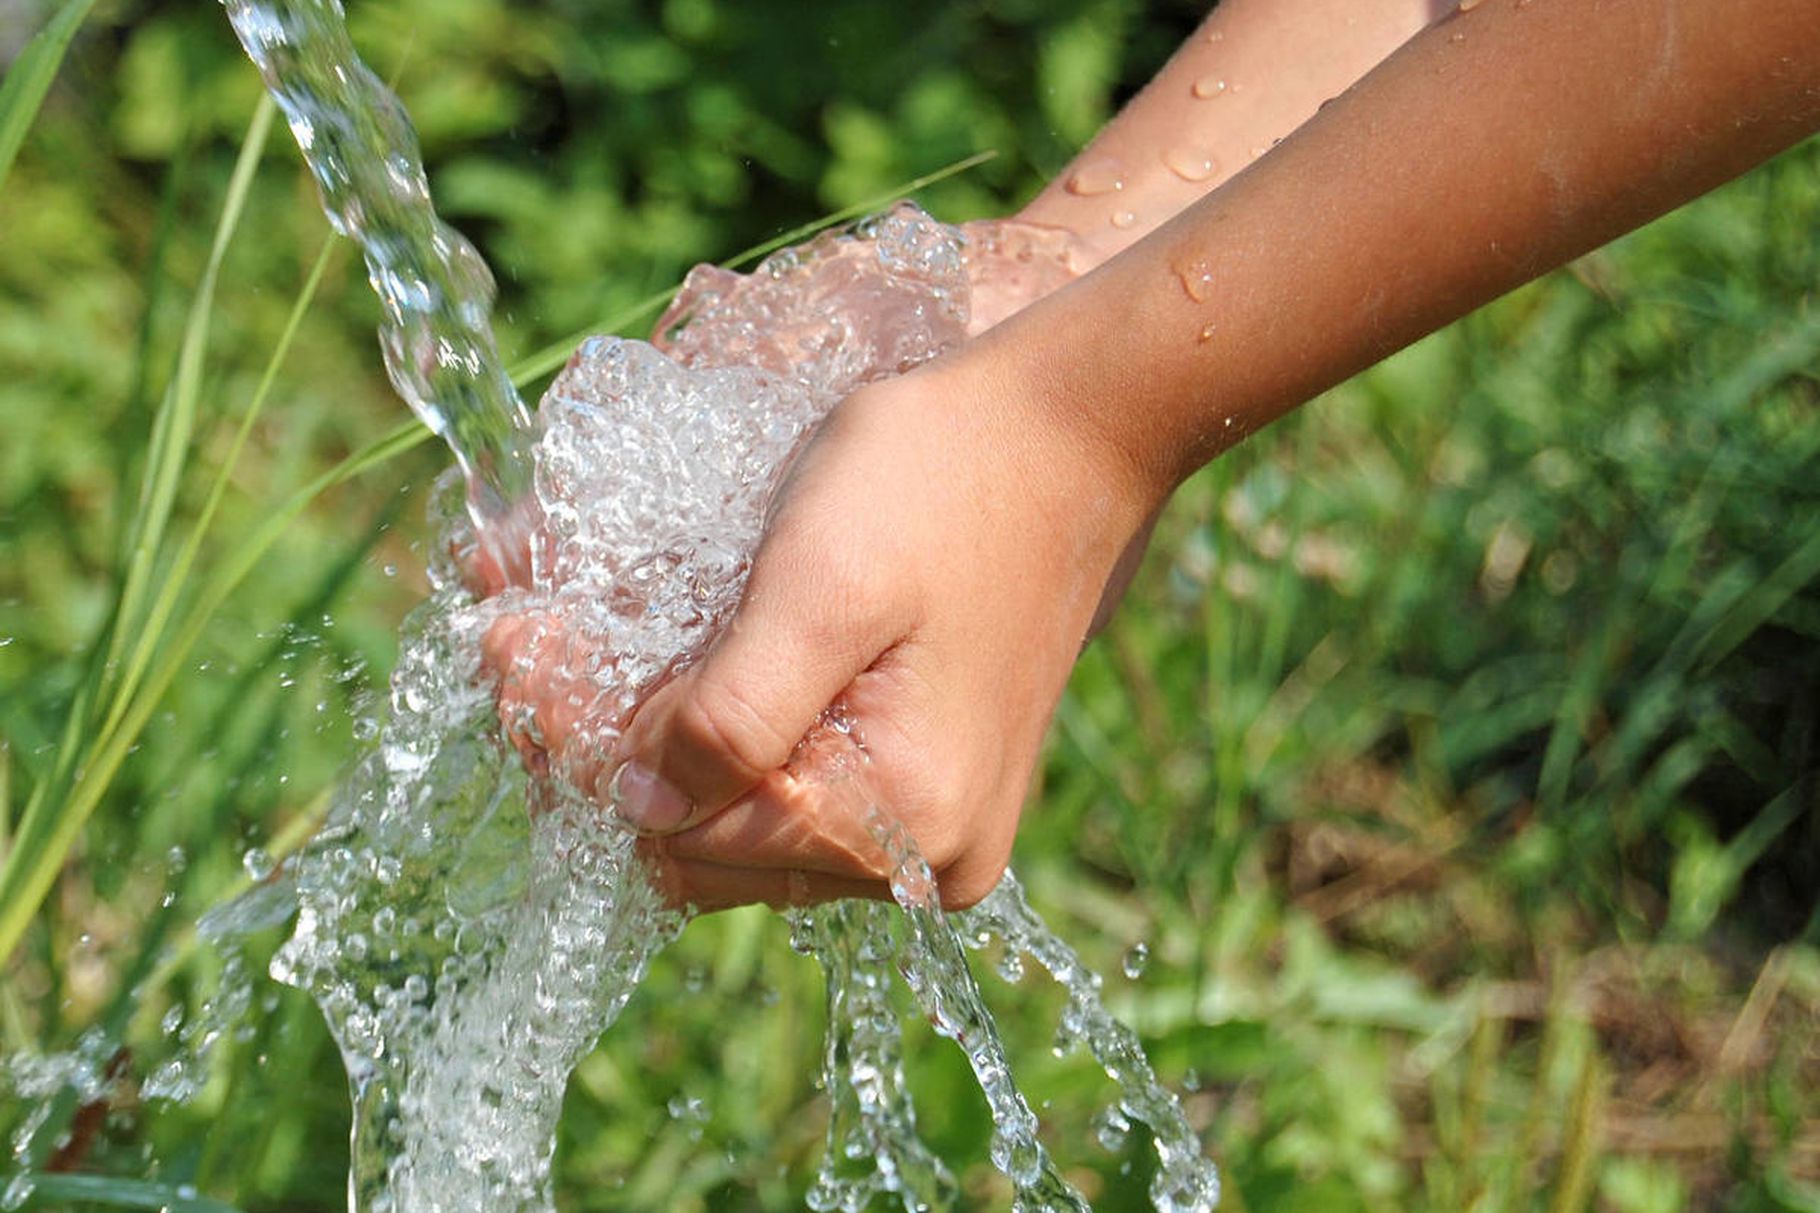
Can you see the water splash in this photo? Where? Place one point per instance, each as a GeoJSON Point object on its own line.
{"type": "Point", "coordinates": [470, 932]}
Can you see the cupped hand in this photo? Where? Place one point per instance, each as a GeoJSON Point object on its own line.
{"type": "Point", "coordinates": [933, 565]}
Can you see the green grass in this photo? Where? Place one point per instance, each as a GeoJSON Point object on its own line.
{"type": "Point", "coordinates": [1454, 753]}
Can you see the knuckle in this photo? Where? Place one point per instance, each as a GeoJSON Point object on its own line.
{"type": "Point", "coordinates": [721, 720]}
{"type": "Point", "coordinates": [840, 596]}
{"type": "Point", "coordinates": [966, 885]}
{"type": "Point", "coordinates": [944, 826]}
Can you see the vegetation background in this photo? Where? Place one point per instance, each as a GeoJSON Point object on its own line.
{"type": "Point", "coordinates": [1454, 757]}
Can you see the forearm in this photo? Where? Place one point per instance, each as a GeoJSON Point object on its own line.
{"type": "Point", "coordinates": [1493, 146]}
{"type": "Point", "coordinates": [1252, 73]}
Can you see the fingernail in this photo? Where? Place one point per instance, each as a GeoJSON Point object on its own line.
{"type": "Point", "coordinates": [645, 800]}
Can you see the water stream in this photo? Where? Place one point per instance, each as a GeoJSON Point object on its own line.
{"type": "Point", "coordinates": [470, 931]}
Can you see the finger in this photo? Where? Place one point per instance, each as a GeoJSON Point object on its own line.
{"type": "Point", "coordinates": [549, 691]}
{"type": "Point", "coordinates": [788, 823]}
{"type": "Point", "coordinates": [706, 887]}
{"type": "Point", "coordinates": [802, 632]}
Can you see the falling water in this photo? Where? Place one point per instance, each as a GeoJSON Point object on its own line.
{"type": "Point", "coordinates": [470, 931]}
{"type": "Point", "coordinates": [434, 289]}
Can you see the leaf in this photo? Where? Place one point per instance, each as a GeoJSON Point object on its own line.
{"type": "Point", "coordinates": [30, 76]}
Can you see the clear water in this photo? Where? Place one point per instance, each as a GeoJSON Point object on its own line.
{"type": "Point", "coordinates": [435, 291]}
{"type": "Point", "coordinates": [468, 931]}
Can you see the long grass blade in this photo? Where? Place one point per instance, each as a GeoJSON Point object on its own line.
{"type": "Point", "coordinates": [170, 442]}
{"type": "Point", "coordinates": [59, 1190]}
{"type": "Point", "coordinates": [174, 581]}
{"type": "Point", "coordinates": [29, 79]}
{"type": "Point", "coordinates": [28, 876]}
{"type": "Point", "coordinates": [176, 420]}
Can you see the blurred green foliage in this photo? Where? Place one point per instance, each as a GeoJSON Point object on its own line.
{"type": "Point", "coordinates": [1454, 753]}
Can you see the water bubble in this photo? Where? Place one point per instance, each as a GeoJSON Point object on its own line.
{"type": "Point", "coordinates": [1096, 177]}
{"type": "Point", "coordinates": [18, 1190]}
{"type": "Point", "coordinates": [258, 865]}
{"type": "Point", "coordinates": [691, 1113]}
{"type": "Point", "coordinates": [1190, 164]}
{"type": "Point", "coordinates": [1111, 1128]}
{"type": "Point", "coordinates": [1196, 278]}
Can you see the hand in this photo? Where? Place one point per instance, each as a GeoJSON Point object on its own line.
{"type": "Point", "coordinates": [934, 564]}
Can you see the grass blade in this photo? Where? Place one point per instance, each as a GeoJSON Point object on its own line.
{"type": "Point", "coordinates": [32, 867]}
{"type": "Point", "coordinates": [29, 79]}
{"type": "Point", "coordinates": [175, 579]}
{"type": "Point", "coordinates": [176, 421]}
{"type": "Point", "coordinates": [60, 1191]}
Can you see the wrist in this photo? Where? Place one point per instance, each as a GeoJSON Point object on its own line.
{"type": "Point", "coordinates": [1030, 402]}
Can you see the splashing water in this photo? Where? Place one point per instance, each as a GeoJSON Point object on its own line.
{"type": "Point", "coordinates": [469, 931]}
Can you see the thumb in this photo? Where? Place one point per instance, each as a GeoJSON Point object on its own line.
{"type": "Point", "coordinates": [797, 640]}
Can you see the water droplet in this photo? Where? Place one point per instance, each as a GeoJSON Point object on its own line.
{"type": "Point", "coordinates": [1209, 87]}
{"type": "Point", "coordinates": [1190, 164]}
{"type": "Point", "coordinates": [1207, 331]}
{"type": "Point", "coordinates": [689, 1111]}
{"type": "Point", "coordinates": [1196, 279]}
{"type": "Point", "coordinates": [1111, 1128]}
{"type": "Point", "coordinates": [1097, 177]}
{"type": "Point", "coordinates": [1456, 36]}
{"type": "Point", "coordinates": [18, 1190]}
{"type": "Point", "coordinates": [1466, 6]}
{"type": "Point", "coordinates": [258, 864]}
{"type": "Point", "coordinates": [1216, 35]}
{"type": "Point", "coordinates": [1123, 219]}
{"type": "Point", "coordinates": [1136, 957]}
